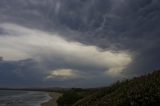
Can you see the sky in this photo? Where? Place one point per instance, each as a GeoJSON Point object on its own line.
{"type": "Point", "coordinates": [77, 43]}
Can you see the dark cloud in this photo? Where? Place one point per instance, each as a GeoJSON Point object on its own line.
{"type": "Point", "coordinates": [117, 25]}
{"type": "Point", "coordinates": [16, 73]}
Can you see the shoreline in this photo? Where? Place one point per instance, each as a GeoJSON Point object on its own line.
{"type": "Point", "coordinates": [54, 97]}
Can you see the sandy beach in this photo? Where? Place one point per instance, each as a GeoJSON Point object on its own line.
{"type": "Point", "coordinates": [52, 102]}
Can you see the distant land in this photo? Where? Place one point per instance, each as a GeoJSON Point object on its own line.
{"type": "Point", "coordinates": [53, 89]}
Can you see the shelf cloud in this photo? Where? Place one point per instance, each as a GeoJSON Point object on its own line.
{"type": "Point", "coordinates": [20, 42]}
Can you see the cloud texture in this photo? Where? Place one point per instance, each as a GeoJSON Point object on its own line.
{"type": "Point", "coordinates": [20, 43]}
{"type": "Point", "coordinates": [96, 41]}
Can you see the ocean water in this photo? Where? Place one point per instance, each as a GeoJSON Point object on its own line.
{"type": "Point", "coordinates": [22, 98]}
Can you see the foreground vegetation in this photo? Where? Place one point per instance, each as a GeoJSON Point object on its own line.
{"type": "Point", "coordinates": [140, 91]}
{"type": "Point", "coordinates": [71, 96]}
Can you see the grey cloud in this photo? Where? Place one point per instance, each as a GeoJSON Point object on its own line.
{"type": "Point", "coordinates": [128, 25]}
{"type": "Point", "coordinates": [20, 73]}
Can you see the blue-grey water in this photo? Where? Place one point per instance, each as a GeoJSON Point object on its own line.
{"type": "Point", "coordinates": [22, 98]}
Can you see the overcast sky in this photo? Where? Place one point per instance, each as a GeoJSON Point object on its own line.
{"type": "Point", "coordinates": [77, 43]}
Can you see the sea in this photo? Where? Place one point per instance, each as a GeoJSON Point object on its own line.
{"type": "Point", "coordinates": [23, 98]}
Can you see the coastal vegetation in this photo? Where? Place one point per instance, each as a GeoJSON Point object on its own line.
{"type": "Point", "coordinates": [139, 91]}
{"type": "Point", "coordinates": [71, 96]}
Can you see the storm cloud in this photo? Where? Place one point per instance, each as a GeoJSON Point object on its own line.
{"type": "Point", "coordinates": [78, 42]}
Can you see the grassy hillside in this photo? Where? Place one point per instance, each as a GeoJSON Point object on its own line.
{"type": "Point", "coordinates": [140, 91]}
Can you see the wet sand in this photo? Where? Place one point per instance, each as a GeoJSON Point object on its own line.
{"type": "Point", "coordinates": [52, 102]}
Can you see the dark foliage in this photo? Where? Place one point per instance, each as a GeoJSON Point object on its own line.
{"type": "Point", "coordinates": [72, 96]}
{"type": "Point", "coordinates": [140, 91]}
